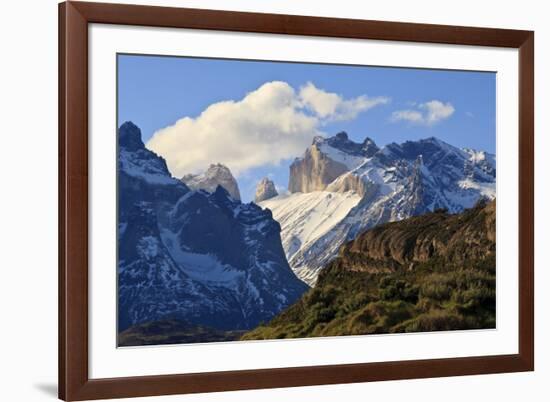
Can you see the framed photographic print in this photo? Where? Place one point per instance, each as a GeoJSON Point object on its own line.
{"type": "Point", "coordinates": [259, 200]}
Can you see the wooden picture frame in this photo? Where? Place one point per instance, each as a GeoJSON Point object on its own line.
{"type": "Point", "coordinates": [74, 381]}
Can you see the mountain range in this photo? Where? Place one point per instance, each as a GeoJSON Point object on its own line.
{"type": "Point", "coordinates": [196, 264]}
{"type": "Point", "coordinates": [340, 188]}
{"type": "Point", "coordinates": [199, 258]}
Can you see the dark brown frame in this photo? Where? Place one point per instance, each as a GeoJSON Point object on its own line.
{"type": "Point", "coordinates": [74, 383]}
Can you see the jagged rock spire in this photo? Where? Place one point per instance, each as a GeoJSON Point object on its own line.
{"type": "Point", "coordinates": [216, 175]}
{"type": "Point", "coordinates": [265, 190]}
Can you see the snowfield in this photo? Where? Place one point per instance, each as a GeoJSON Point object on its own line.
{"type": "Point", "coordinates": [306, 217]}
{"type": "Point", "coordinates": [351, 161]}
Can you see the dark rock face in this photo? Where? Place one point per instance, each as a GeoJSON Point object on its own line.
{"type": "Point", "coordinates": [265, 190]}
{"type": "Point", "coordinates": [129, 137]}
{"type": "Point", "coordinates": [342, 142]}
{"type": "Point", "coordinates": [194, 256]}
{"type": "Point", "coordinates": [452, 238]}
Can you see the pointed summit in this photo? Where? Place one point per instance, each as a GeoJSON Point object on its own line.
{"type": "Point", "coordinates": [342, 136]}
{"type": "Point", "coordinates": [265, 190]}
{"type": "Point", "coordinates": [369, 147]}
{"type": "Point", "coordinates": [368, 141]}
{"type": "Point", "coordinates": [139, 162]}
{"type": "Point", "coordinates": [129, 136]}
{"type": "Point", "coordinates": [216, 175]}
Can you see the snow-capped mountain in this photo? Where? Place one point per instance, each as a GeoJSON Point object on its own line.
{"type": "Point", "coordinates": [265, 190]}
{"type": "Point", "coordinates": [216, 175]}
{"type": "Point", "coordinates": [192, 255]}
{"type": "Point", "coordinates": [388, 184]}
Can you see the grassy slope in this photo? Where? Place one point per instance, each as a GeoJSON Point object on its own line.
{"type": "Point", "coordinates": [428, 273]}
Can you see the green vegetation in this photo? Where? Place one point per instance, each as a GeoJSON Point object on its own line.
{"type": "Point", "coordinates": [430, 273]}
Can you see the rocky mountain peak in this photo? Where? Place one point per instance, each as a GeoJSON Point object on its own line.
{"type": "Point", "coordinates": [369, 147]}
{"type": "Point", "coordinates": [368, 141]}
{"type": "Point", "coordinates": [327, 159]}
{"type": "Point", "coordinates": [216, 175]}
{"type": "Point", "coordinates": [265, 190]}
{"type": "Point", "coordinates": [342, 136]}
{"type": "Point", "coordinates": [129, 136]}
{"type": "Point", "coordinates": [342, 143]}
{"type": "Point", "coordinates": [135, 160]}
{"type": "Point", "coordinates": [317, 140]}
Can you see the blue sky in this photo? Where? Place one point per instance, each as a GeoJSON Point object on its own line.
{"type": "Point", "coordinates": [387, 104]}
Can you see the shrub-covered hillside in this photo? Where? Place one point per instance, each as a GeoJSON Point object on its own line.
{"type": "Point", "coordinates": [428, 273]}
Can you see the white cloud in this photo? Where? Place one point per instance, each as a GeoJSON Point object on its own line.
{"type": "Point", "coordinates": [413, 116]}
{"type": "Point", "coordinates": [268, 125]}
{"type": "Point", "coordinates": [428, 113]}
{"type": "Point", "coordinates": [333, 107]}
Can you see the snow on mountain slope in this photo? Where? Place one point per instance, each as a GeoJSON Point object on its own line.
{"type": "Point", "coordinates": [337, 155]}
{"type": "Point", "coordinates": [305, 217]}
